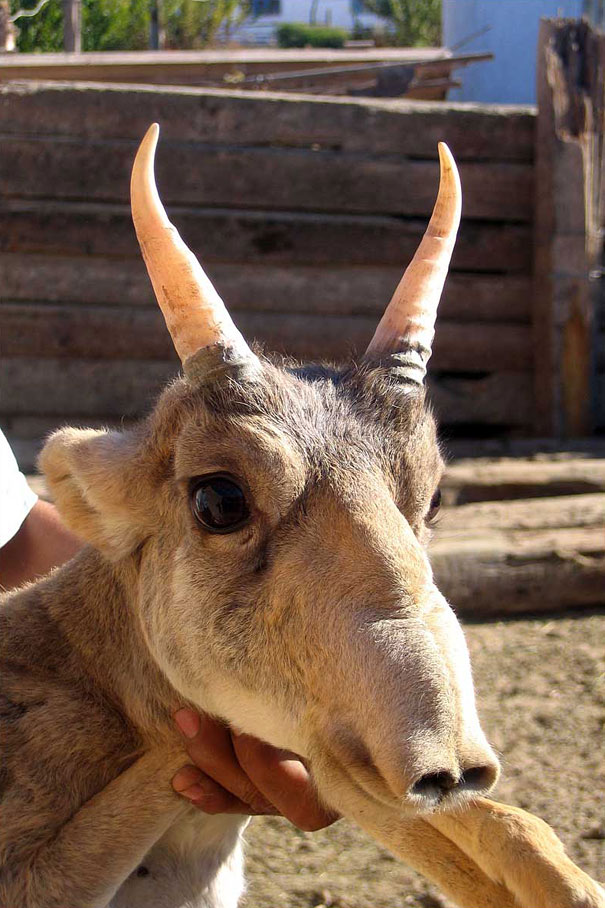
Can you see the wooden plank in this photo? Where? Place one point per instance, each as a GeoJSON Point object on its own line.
{"type": "Point", "coordinates": [570, 130]}
{"type": "Point", "coordinates": [172, 67]}
{"type": "Point", "coordinates": [471, 520]}
{"type": "Point", "coordinates": [240, 118]}
{"type": "Point", "coordinates": [278, 178]}
{"type": "Point", "coordinates": [83, 388]}
{"type": "Point", "coordinates": [82, 228]}
{"type": "Point", "coordinates": [476, 481]}
{"type": "Point", "coordinates": [502, 399]}
{"type": "Point", "coordinates": [351, 290]}
{"type": "Point", "coordinates": [517, 446]}
{"type": "Point", "coordinates": [133, 333]}
{"type": "Point", "coordinates": [511, 572]}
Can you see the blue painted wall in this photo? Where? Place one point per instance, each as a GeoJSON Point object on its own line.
{"type": "Point", "coordinates": [510, 77]}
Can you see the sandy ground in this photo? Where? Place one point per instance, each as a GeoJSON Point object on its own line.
{"type": "Point", "coordinates": [541, 693]}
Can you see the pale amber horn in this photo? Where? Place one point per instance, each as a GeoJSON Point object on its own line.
{"type": "Point", "coordinates": [195, 314]}
{"type": "Point", "coordinates": [409, 320]}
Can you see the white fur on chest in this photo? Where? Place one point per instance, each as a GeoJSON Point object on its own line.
{"type": "Point", "coordinates": [198, 863]}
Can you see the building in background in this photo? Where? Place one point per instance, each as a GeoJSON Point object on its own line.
{"type": "Point", "coordinates": [509, 29]}
{"type": "Point", "coordinates": [268, 14]}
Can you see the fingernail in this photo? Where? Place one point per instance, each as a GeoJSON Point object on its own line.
{"type": "Point", "coordinates": [188, 722]}
{"type": "Point", "coordinates": [194, 793]}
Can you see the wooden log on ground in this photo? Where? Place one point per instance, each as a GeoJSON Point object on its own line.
{"type": "Point", "coordinates": [467, 521]}
{"type": "Point", "coordinates": [476, 481]}
{"type": "Point", "coordinates": [510, 572]}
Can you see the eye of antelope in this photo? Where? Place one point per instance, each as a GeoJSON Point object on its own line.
{"type": "Point", "coordinates": [218, 503]}
{"type": "Point", "coordinates": [434, 506]}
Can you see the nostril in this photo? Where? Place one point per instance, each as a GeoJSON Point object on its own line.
{"type": "Point", "coordinates": [478, 778]}
{"type": "Point", "coordinates": [435, 783]}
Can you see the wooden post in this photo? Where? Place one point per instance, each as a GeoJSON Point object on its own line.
{"type": "Point", "coordinates": [568, 242]}
{"type": "Point", "coordinates": [72, 26]}
{"type": "Point", "coordinates": [8, 32]}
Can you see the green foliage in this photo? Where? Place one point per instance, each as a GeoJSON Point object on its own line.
{"type": "Point", "coordinates": [41, 33]}
{"type": "Point", "coordinates": [124, 24]}
{"type": "Point", "coordinates": [115, 24]}
{"type": "Point", "coordinates": [192, 24]}
{"type": "Point", "coordinates": [296, 34]}
{"type": "Point", "coordinates": [416, 23]}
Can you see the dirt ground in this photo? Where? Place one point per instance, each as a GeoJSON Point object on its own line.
{"type": "Point", "coordinates": [541, 693]}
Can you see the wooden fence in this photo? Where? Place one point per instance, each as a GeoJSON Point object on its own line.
{"type": "Point", "coordinates": [304, 212]}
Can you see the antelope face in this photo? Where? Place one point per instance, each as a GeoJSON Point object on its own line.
{"type": "Point", "coordinates": [282, 573]}
{"type": "Point", "coordinates": [293, 595]}
{"type": "Point", "coordinates": [301, 601]}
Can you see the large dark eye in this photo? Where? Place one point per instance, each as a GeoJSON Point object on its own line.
{"type": "Point", "coordinates": [434, 506]}
{"type": "Point", "coordinates": [218, 504]}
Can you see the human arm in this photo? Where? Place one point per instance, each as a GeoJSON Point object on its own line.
{"type": "Point", "coordinates": [41, 543]}
{"type": "Point", "coordinates": [32, 537]}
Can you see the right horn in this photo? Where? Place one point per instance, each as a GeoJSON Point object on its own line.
{"type": "Point", "coordinates": [408, 323]}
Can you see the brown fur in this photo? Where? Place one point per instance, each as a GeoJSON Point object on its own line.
{"type": "Point", "coordinates": [317, 626]}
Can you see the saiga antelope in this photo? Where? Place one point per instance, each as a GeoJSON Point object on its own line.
{"type": "Point", "coordinates": [256, 549]}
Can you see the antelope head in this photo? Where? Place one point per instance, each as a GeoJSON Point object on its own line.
{"type": "Point", "coordinates": [276, 517]}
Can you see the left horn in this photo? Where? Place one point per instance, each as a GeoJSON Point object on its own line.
{"type": "Point", "coordinates": [409, 320]}
{"type": "Point", "coordinates": [195, 314]}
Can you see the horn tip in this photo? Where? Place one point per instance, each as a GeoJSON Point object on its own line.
{"type": "Point", "coordinates": [446, 158]}
{"type": "Point", "coordinates": [150, 139]}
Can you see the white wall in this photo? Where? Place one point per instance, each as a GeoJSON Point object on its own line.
{"type": "Point", "coordinates": [334, 12]}
{"type": "Point", "coordinates": [510, 77]}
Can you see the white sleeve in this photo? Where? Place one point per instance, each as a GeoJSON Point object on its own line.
{"type": "Point", "coordinates": [16, 497]}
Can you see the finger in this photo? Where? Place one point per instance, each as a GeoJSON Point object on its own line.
{"type": "Point", "coordinates": [206, 794]}
{"type": "Point", "coordinates": [284, 781]}
{"type": "Point", "coordinates": [210, 748]}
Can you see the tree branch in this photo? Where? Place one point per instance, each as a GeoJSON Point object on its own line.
{"type": "Point", "coordinates": [28, 13]}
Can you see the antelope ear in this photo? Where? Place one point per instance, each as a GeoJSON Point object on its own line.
{"type": "Point", "coordinates": [96, 479]}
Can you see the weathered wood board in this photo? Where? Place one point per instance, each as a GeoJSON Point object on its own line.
{"type": "Point", "coordinates": [528, 555]}
{"type": "Point", "coordinates": [235, 235]}
{"type": "Point", "coordinates": [305, 213]}
{"type": "Point", "coordinates": [136, 333]}
{"type": "Point", "coordinates": [213, 174]}
{"type": "Point", "coordinates": [471, 481]}
{"type": "Point", "coordinates": [127, 387]}
{"type": "Point", "coordinates": [272, 119]}
{"type": "Point", "coordinates": [496, 573]}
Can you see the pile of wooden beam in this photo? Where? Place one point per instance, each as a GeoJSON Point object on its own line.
{"type": "Point", "coordinates": [420, 73]}
{"type": "Point", "coordinates": [522, 536]}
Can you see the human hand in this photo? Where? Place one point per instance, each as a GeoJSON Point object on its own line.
{"type": "Point", "coordinates": [233, 773]}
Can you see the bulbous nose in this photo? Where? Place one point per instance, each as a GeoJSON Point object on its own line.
{"type": "Point", "coordinates": [433, 787]}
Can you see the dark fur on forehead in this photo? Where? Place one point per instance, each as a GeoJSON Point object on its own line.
{"type": "Point", "coordinates": [353, 416]}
